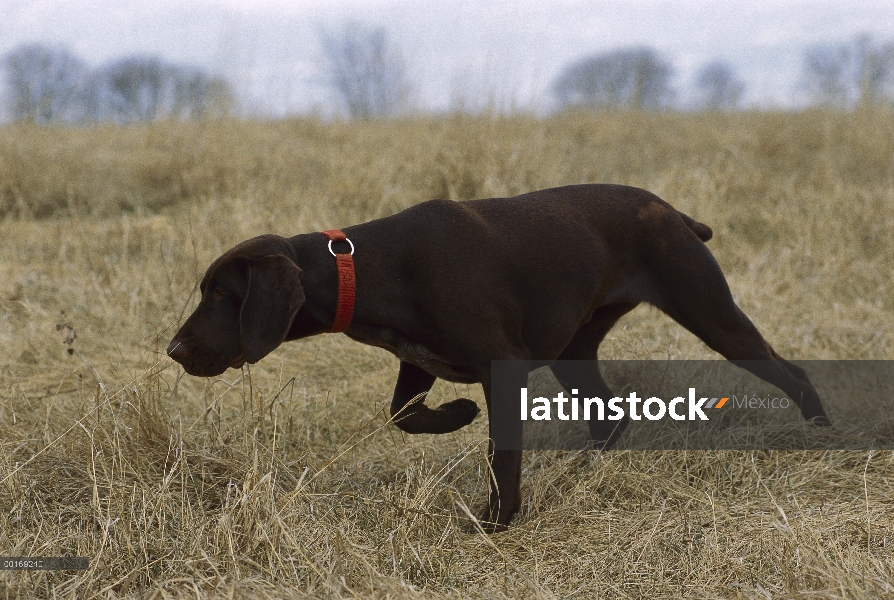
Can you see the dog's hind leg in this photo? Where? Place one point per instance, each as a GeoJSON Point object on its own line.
{"type": "Point", "coordinates": [416, 417]}
{"type": "Point", "coordinates": [693, 291]}
{"type": "Point", "coordinates": [585, 377]}
{"type": "Point", "coordinates": [505, 445]}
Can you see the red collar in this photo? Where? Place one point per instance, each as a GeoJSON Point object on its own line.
{"type": "Point", "coordinates": [347, 285]}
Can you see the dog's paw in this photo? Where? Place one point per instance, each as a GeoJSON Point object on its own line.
{"type": "Point", "coordinates": [820, 421]}
{"type": "Point", "coordinates": [496, 518]}
{"type": "Point", "coordinates": [458, 413]}
{"type": "Point", "coordinates": [443, 419]}
{"type": "Point", "coordinates": [476, 526]}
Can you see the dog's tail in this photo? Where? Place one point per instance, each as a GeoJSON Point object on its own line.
{"type": "Point", "coordinates": [703, 232]}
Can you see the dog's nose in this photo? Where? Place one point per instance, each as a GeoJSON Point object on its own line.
{"type": "Point", "coordinates": [177, 350]}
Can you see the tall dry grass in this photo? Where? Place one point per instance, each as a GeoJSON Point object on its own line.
{"type": "Point", "coordinates": [285, 481]}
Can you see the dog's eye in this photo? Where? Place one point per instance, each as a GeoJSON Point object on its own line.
{"type": "Point", "coordinates": [219, 293]}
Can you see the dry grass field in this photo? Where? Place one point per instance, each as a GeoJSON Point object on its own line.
{"type": "Point", "coordinates": [284, 480]}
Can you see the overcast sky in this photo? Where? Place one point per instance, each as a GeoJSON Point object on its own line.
{"type": "Point", "coordinates": [506, 52]}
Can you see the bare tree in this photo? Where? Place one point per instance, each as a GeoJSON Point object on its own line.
{"type": "Point", "coordinates": [367, 73]}
{"type": "Point", "coordinates": [844, 74]}
{"type": "Point", "coordinates": [145, 89]}
{"type": "Point", "coordinates": [874, 70]}
{"type": "Point", "coordinates": [196, 95]}
{"type": "Point", "coordinates": [826, 74]}
{"type": "Point", "coordinates": [718, 86]}
{"type": "Point", "coordinates": [635, 78]}
{"type": "Point", "coordinates": [136, 87]}
{"type": "Point", "coordinates": [42, 83]}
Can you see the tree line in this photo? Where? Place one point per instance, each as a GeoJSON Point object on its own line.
{"type": "Point", "coordinates": [44, 84]}
{"type": "Point", "coordinates": [368, 75]}
{"type": "Point", "coordinates": [838, 75]}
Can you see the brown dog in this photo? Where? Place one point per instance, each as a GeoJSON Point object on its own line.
{"type": "Point", "coordinates": [449, 286]}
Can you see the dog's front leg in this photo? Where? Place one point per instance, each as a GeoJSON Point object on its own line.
{"type": "Point", "coordinates": [416, 417]}
{"type": "Point", "coordinates": [505, 447]}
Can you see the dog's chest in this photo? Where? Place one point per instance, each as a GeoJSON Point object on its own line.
{"type": "Point", "coordinates": [411, 352]}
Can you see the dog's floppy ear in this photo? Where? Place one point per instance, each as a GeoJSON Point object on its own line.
{"type": "Point", "coordinates": [274, 297]}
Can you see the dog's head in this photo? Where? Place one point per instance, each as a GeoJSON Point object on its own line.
{"type": "Point", "coordinates": [250, 296]}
